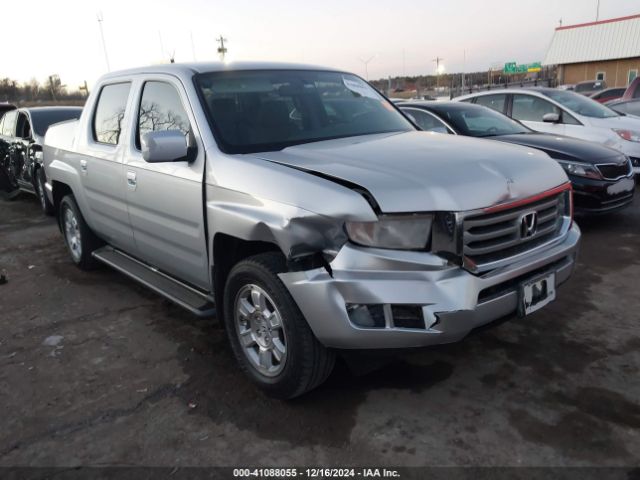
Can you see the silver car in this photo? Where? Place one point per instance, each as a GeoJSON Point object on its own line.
{"type": "Point", "coordinates": [306, 212]}
{"type": "Point", "coordinates": [562, 112]}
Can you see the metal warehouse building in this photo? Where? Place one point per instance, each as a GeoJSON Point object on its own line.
{"type": "Point", "coordinates": [607, 50]}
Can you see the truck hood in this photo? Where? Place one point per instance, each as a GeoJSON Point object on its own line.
{"type": "Point", "coordinates": [426, 171]}
{"type": "Point", "coordinates": [560, 147]}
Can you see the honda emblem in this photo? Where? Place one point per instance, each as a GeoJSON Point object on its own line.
{"type": "Point", "coordinates": [528, 224]}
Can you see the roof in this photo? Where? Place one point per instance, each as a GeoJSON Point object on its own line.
{"type": "Point", "coordinates": [595, 41]}
{"type": "Point", "coordinates": [52, 108]}
{"type": "Point", "coordinates": [191, 68]}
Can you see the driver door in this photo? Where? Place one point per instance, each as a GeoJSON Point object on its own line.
{"type": "Point", "coordinates": [165, 200]}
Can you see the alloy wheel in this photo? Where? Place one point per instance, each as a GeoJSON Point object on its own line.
{"type": "Point", "coordinates": [260, 330]}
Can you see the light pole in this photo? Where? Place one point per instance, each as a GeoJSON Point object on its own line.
{"type": "Point", "coordinates": [437, 61]}
{"type": "Point", "coordinates": [366, 65]}
{"type": "Point", "coordinates": [193, 47]}
{"type": "Point", "coordinates": [104, 45]}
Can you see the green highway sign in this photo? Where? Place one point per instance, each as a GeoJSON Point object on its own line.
{"type": "Point", "coordinates": [513, 67]}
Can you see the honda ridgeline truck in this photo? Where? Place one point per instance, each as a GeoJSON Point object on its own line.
{"type": "Point", "coordinates": [306, 212]}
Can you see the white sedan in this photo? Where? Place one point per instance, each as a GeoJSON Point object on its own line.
{"type": "Point", "coordinates": [562, 112]}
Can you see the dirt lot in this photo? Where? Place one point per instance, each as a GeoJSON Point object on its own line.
{"type": "Point", "coordinates": [97, 370]}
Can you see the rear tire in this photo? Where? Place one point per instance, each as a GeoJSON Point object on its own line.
{"type": "Point", "coordinates": [79, 238]}
{"type": "Point", "coordinates": [269, 335]}
{"type": "Point", "coordinates": [45, 204]}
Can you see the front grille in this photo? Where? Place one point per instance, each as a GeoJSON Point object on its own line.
{"type": "Point", "coordinates": [611, 171]}
{"type": "Point", "coordinates": [491, 237]}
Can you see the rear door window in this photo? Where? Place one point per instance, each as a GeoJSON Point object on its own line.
{"type": "Point", "coordinates": [495, 102]}
{"type": "Point", "coordinates": [9, 125]}
{"type": "Point", "coordinates": [426, 121]}
{"type": "Point", "coordinates": [24, 127]}
{"type": "Point", "coordinates": [110, 112]}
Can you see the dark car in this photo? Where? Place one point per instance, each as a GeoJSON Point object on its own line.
{"type": "Point", "coordinates": [21, 140]}
{"type": "Point", "coordinates": [5, 107]}
{"type": "Point", "coordinates": [590, 87]}
{"type": "Point", "coordinates": [626, 107]}
{"type": "Point", "coordinates": [602, 178]}
{"type": "Point", "coordinates": [608, 94]}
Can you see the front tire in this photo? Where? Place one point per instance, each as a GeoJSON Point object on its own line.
{"type": "Point", "coordinates": [79, 238]}
{"type": "Point", "coordinates": [269, 335]}
{"type": "Point", "coordinates": [45, 203]}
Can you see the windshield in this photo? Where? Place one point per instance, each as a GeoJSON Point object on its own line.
{"type": "Point", "coordinates": [254, 111]}
{"type": "Point", "coordinates": [580, 104]}
{"type": "Point", "coordinates": [476, 121]}
{"type": "Point", "coordinates": [43, 119]}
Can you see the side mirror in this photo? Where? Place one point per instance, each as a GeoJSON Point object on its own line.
{"type": "Point", "coordinates": [163, 146]}
{"type": "Point", "coordinates": [551, 118]}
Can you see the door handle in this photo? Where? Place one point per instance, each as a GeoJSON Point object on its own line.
{"type": "Point", "coordinates": [83, 166]}
{"type": "Point", "coordinates": [132, 181]}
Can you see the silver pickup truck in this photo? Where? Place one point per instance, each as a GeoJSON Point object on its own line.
{"type": "Point", "coordinates": [304, 210]}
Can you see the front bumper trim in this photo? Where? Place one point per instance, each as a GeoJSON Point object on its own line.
{"type": "Point", "coordinates": [449, 294]}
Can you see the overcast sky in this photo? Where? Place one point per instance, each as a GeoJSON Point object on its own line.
{"type": "Point", "coordinates": [63, 37]}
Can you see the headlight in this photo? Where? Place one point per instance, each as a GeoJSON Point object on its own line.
{"type": "Point", "coordinates": [408, 232]}
{"type": "Point", "coordinates": [629, 135]}
{"type": "Point", "coordinates": [580, 169]}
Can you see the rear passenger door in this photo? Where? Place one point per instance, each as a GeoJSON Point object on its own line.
{"type": "Point", "coordinates": [165, 200]}
{"type": "Point", "coordinates": [101, 170]}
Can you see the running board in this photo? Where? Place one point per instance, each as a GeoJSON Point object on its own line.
{"type": "Point", "coordinates": [174, 290]}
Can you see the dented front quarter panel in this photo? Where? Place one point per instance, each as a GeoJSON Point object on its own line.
{"type": "Point", "coordinates": [256, 200]}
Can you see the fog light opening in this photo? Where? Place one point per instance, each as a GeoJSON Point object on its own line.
{"type": "Point", "coordinates": [367, 316]}
{"type": "Point", "coordinates": [408, 316]}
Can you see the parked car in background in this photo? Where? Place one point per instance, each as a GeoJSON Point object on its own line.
{"type": "Point", "coordinates": [633, 90]}
{"type": "Point", "coordinates": [566, 113]}
{"type": "Point", "coordinates": [21, 139]}
{"type": "Point", "coordinates": [5, 107]}
{"type": "Point", "coordinates": [608, 94]}
{"type": "Point", "coordinates": [602, 177]}
{"type": "Point", "coordinates": [308, 209]}
{"type": "Point", "coordinates": [626, 107]}
{"type": "Point", "coordinates": [589, 87]}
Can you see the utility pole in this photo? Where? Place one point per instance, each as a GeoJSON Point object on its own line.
{"type": "Point", "coordinates": [104, 45]}
{"type": "Point", "coordinates": [437, 61]}
{"type": "Point", "coordinates": [222, 50]}
{"type": "Point", "coordinates": [598, 10]}
{"type": "Point", "coordinates": [52, 87]}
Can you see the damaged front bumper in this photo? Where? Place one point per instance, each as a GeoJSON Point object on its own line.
{"type": "Point", "coordinates": [453, 301]}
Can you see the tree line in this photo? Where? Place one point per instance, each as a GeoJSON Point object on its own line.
{"type": "Point", "coordinates": [33, 92]}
